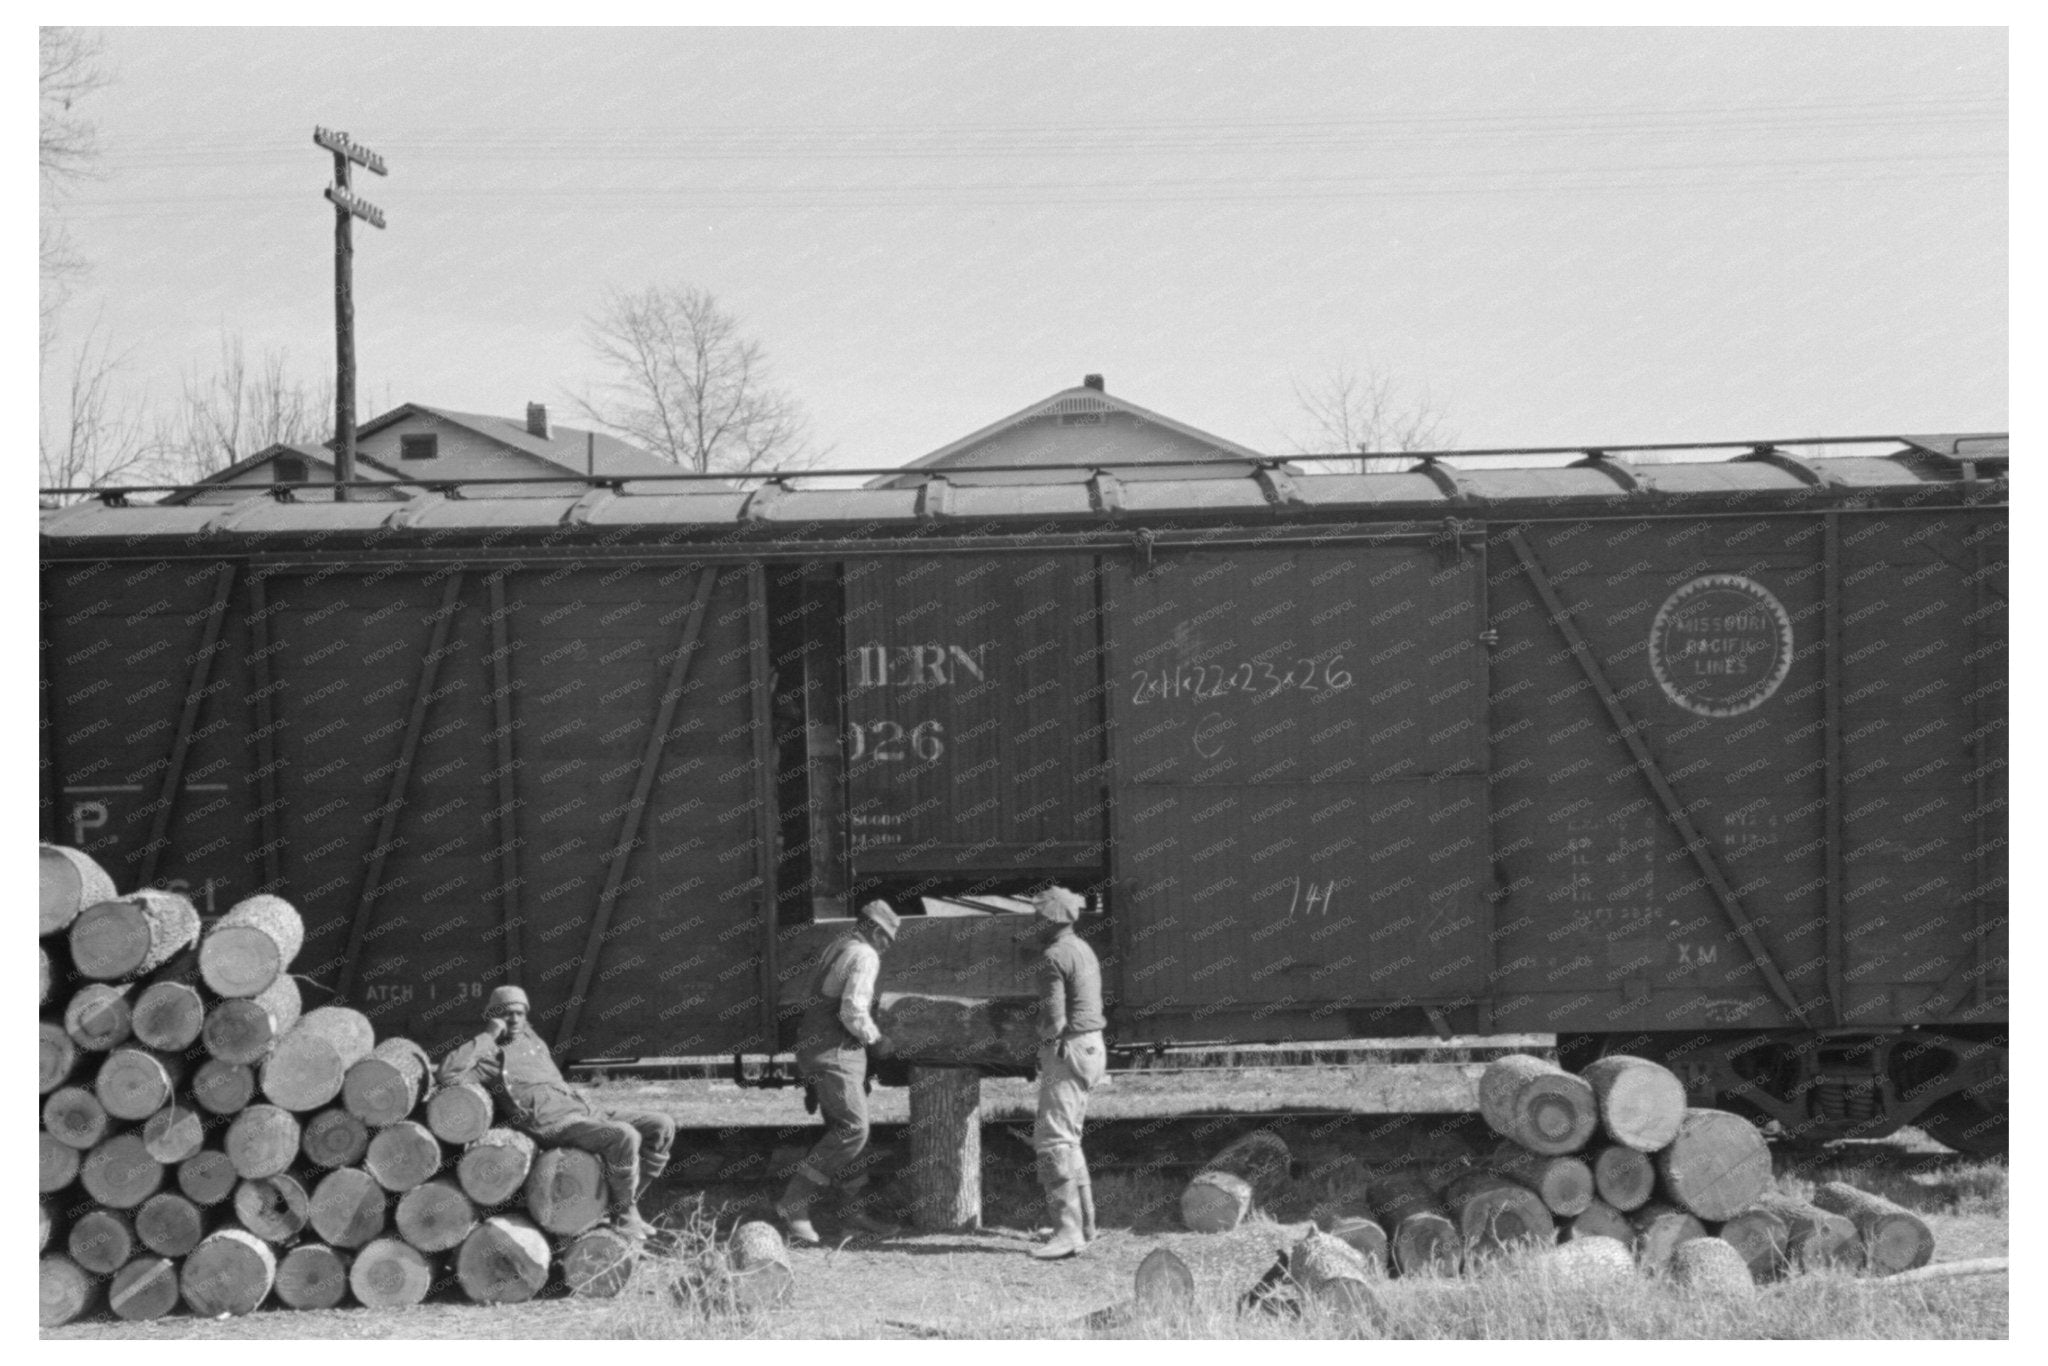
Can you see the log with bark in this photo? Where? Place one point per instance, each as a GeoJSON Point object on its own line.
{"type": "Point", "coordinates": [134, 1083]}
{"type": "Point", "coordinates": [1246, 1175]}
{"type": "Point", "coordinates": [389, 1273]}
{"type": "Point", "coordinates": [57, 1163]}
{"type": "Point", "coordinates": [145, 1289]}
{"type": "Point", "coordinates": [306, 1068]}
{"type": "Point", "coordinates": [1537, 1104]}
{"type": "Point", "coordinates": [959, 1031]}
{"type": "Point", "coordinates": [169, 1224]}
{"type": "Point", "coordinates": [1894, 1238]}
{"type": "Point", "coordinates": [207, 1178]}
{"type": "Point", "coordinates": [174, 1133]}
{"type": "Point", "coordinates": [246, 1030]}
{"type": "Point", "coordinates": [1815, 1239]}
{"type": "Point", "coordinates": [1495, 1213]}
{"type": "Point", "coordinates": [402, 1156]}
{"type": "Point", "coordinates": [436, 1216]}
{"type": "Point", "coordinates": [1641, 1102]}
{"type": "Point", "coordinates": [223, 1088]}
{"type": "Point", "coordinates": [120, 1173]}
{"type": "Point", "coordinates": [1332, 1274]}
{"type": "Point", "coordinates": [1660, 1228]}
{"type": "Point", "coordinates": [274, 1208]}
{"type": "Point", "coordinates": [131, 936]}
{"type": "Point", "coordinates": [459, 1114]}
{"type": "Point", "coordinates": [945, 1148]}
{"type": "Point", "coordinates": [102, 1241]}
{"type": "Point", "coordinates": [1761, 1237]}
{"type": "Point", "coordinates": [1564, 1184]}
{"type": "Point", "coordinates": [494, 1168]}
{"type": "Point", "coordinates": [230, 1272]}
{"type": "Point", "coordinates": [599, 1262]}
{"type": "Point", "coordinates": [312, 1276]}
{"type": "Point", "coordinates": [66, 1291]}
{"type": "Point", "coordinates": [263, 1141]}
{"type": "Point", "coordinates": [1422, 1238]}
{"type": "Point", "coordinates": [1716, 1167]}
{"type": "Point", "coordinates": [1600, 1220]}
{"type": "Point", "coordinates": [1623, 1177]}
{"type": "Point", "coordinates": [57, 1058]}
{"type": "Point", "coordinates": [349, 1208]}
{"type": "Point", "coordinates": [74, 1117]}
{"type": "Point", "coordinates": [71, 880]}
{"type": "Point", "coordinates": [251, 946]}
{"type": "Point", "coordinates": [1710, 1266]}
{"type": "Point", "coordinates": [761, 1274]}
{"type": "Point", "coordinates": [1590, 1260]}
{"type": "Point", "coordinates": [566, 1192]}
{"type": "Point", "coordinates": [389, 1084]}
{"type": "Point", "coordinates": [99, 1017]}
{"type": "Point", "coordinates": [1362, 1233]}
{"type": "Point", "coordinates": [48, 1222]}
{"type": "Point", "coordinates": [334, 1138]}
{"type": "Point", "coordinates": [504, 1260]}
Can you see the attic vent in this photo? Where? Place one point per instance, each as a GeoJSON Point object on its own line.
{"type": "Point", "coordinates": [1080, 419]}
{"type": "Point", "coordinates": [1072, 405]}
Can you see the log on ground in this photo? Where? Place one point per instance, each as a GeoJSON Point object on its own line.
{"type": "Point", "coordinates": [349, 1208]}
{"type": "Point", "coordinates": [494, 1168]}
{"type": "Point", "coordinates": [566, 1192]}
{"type": "Point", "coordinates": [1710, 1266]}
{"type": "Point", "coordinates": [230, 1272]}
{"type": "Point", "coordinates": [1215, 1202]}
{"type": "Point", "coordinates": [504, 1260]}
{"type": "Point", "coordinates": [436, 1216]}
{"type": "Point", "coordinates": [145, 1289]}
{"type": "Point", "coordinates": [1564, 1183]}
{"type": "Point", "coordinates": [313, 1276]}
{"type": "Point", "coordinates": [1815, 1239]}
{"type": "Point", "coordinates": [761, 1275]}
{"type": "Point", "coordinates": [1761, 1237]}
{"type": "Point", "coordinates": [388, 1273]}
{"type": "Point", "coordinates": [599, 1263]}
{"type": "Point", "coordinates": [402, 1156]}
{"type": "Point", "coordinates": [1660, 1228]}
{"type": "Point", "coordinates": [1641, 1102]}
{"type": "Point", "coordinates": [1717, 1166]}
{"type": "Point", "coordinates": [1362, 1233]}
{"type": "Point", "coordinates": [389, 1084]}
{"type": "Point", "coordinates": [1590, 1260]}
{"type": "Point", "coordinates": [251, 946]}
{"type": "Point", "coordinates": [130, 936]}
{"type": "Point", "coordinates": [66, 1291]}
{"type": "Point", "coordinates": [1623, 1177]}
{"type": "Point", "coordinates": [1495, 1213]}
{"type": "Point", "coordinates": [1422, 1239]}
{"type": "Point", "coordinates": [1332, 1274]}
{"type": "Point", "coordinates": [1600, 1220]}
{"type": "Point", "coordinates": [169, 1224]}
{"type": "Point", "coordinates": [335, 1138]}
{"type": "Point", "coordinates": [120, 1173]}
{"type": "Point", "coordinates": [459, 1114]}
{"type": "Point", "coordinates": [274, 1208]}
{"type": "Point", "coordinates": [1894, 1238]}
{"type": "Point", "coordinates": [306, 1068]}
{"type": "Point", "coordinates": [263, 1141]}
{"type": "Point", "coordinates": [1537, 1104]}
{"type": "Point", "coordinates": [71, 880]}
{"type": "Point", "coordinates": [246, 1030]}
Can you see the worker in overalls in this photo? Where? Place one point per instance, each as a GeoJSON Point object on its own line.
{"type": "Point", "coordinates": [1071, 1061]}
{"type": "Point", "coordinates": [832, 1047]}
{"type": "Point", "coordinates": [513, 1063]}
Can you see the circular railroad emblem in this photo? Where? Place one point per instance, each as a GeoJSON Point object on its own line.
{"type": "Point", "coordinates": [1721, 645]}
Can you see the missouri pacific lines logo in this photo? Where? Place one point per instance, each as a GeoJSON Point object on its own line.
{"type": "Point", "coordinates": [1721, 645]}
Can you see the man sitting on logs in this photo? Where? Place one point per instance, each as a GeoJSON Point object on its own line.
{"type": "Point", "coordinates": [511, 1062]}
{"type": "Point", "coordinates": [1071, 1061]}
{"type": "Point", "coordinates": [832, 1057]}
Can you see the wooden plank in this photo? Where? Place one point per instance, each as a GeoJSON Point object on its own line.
{"type": "Point", "coordinates": [636, 808]}
{"type": "Point", "coordinates": [188, 720]}
{"type": "Point", "coordinates": [503, 817]}
{"type": "Point", "coordinates": [767, 815]}
{"type": "Point", "coordinates": [270, 826]}
{"type": "Point", "coordinates": [1626, 727]}
{"type": "Point", "coordinates": [394, 798]}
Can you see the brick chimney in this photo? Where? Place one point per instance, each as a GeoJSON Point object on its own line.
{"type": "Point", "coordinates": [537, 420]}
{"type": "Point", "coordinates": [1092, 382]}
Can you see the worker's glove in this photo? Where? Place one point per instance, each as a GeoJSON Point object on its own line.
{"type": "Point", "coordinates": [810, 1099]}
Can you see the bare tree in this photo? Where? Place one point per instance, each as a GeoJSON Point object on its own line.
{"type": "Point", "coordinates": [240, 409]}
{"type": "Point", "coordinates": [70, 68]}
{"type": "Point", "coordinates": [684, 382]}
{"type": "Point", "coordinates": [90, 437]}
{"type": "Point", "coordinates": [1364, 409]}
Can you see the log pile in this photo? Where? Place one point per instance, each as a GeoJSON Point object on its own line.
{"type": "Point", "coordinates": [209, 1143]}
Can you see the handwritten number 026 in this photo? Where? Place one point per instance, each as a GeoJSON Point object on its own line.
{"type": "Point", "coordinates": [885, 742]}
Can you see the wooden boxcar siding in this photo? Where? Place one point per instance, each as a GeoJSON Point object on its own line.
{"type": "Point", "coordinates": [359, 785]}
{"type": "Point", "coordinates": [973, 705]}
{"type": "Point", "coordinates": [1608, 921]}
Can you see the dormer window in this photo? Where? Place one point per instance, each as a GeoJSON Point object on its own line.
{"type": "Point", "coordinates": [289, 469]}
{"type": "Point", "coordinates": [421, 447]}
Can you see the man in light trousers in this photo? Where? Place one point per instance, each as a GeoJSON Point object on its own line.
{"type": "Point", "coordinates": [1071, 1061]}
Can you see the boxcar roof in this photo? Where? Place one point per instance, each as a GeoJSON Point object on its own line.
{"type": "Point", "coordinates": [1929, 470]}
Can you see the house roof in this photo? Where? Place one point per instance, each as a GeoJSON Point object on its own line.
{"type": "Point", "coordinates": [1040, 434]}
{"type": "Point", "coordinates": [319, 458]}
{"type": "Point", "coordinates": [566, 447]}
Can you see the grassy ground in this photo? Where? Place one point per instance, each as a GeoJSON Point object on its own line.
{"type": "Point", "coordinates": [982, 1285]}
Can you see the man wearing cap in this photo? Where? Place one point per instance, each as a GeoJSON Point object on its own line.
{"type": "Point", "coordinates": [1071, 1060]}
{"type": "Point", "coordinates": [511, 1062]}
{"type": "Point", "coordinates": [832, 1056]}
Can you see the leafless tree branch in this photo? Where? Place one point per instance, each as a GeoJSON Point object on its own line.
{"type": "Point", "coordinates": [1364, 409]}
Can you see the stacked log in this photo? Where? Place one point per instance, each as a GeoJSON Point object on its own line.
{"type": "Point", "coordinates": [1816, 1240]}
{"type": "Point", "coordinates": [1537, 1104]}
{"type": "Point", "coordinates": [1245, 1175]}
{"type": "Point", "coordinates": [1423, 1239]}
{"type": "Point", "coordinates": [1894, 1238]}
{"type": "Point", "coordinates": [251, 946]}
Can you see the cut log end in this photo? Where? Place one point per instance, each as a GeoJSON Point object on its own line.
{"type": "Point", "coordinates": [274, 1208]}
{"type": "Point", "coordinates": [335, 1138]}
{"type": "Point", "coordinates": [207, 1178]}
{"type": "Point", "coordinates": [120, 1173]}
{"type": "Point", "coordinates": [66, 1291]}
{"type": "Point", "coordinates": [230, 1272]}
{"type": "Point", "coordinates": [1642, 1103]}
{"type": "Point", "coordinates": [403, 1155]}
{"type": "Point", "coordinates": [349, 1208]}
{"type": "Point", "coordinates": [169, 1224]}
{"type": "Point", "coordinates": [1215, 1202]}
{"type": "Point", "coordinates": [504, 1260]}
{"type": "Point", "coordinates": [436, 1216]}
{"type": "Point", "coordinates": [388, 1273]}
{"type": "Point", "coordinates": [71, 880]}
{"type": "Point", "coordinates": [1717, 1166]}
{"type": "Point", "coordinates": [460, 1114]}
{"type": "Point", "coordinates": [599, 1263]}
{"type": "Point", "coordinates": [145, 1289]}
{"type": "Point", "coordinates": [312, 1276]}
{"type": "Point", "coordinates": [566, 1192]}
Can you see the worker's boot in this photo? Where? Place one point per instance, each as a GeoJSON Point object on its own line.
{"type": "Point", "coordinates": [794, 1208]}
{"type": "Point", "coordinates": [857, 1212]}
{"type": "Point", "coordinates": [1063, 1197]}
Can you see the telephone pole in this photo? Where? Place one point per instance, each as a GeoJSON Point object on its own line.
{"type": "Point", "coordinates": [346, 208]}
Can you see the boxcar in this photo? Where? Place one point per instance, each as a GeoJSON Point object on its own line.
{"type": "Point", "coordinates": [1703, 760]}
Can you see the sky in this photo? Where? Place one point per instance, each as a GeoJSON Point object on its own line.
{"type": "Point", "coordinates": [1562, 236]}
